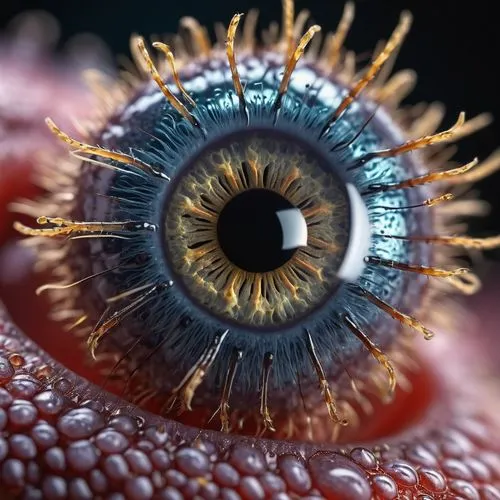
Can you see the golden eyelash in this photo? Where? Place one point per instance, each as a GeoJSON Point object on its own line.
{"type": "Point", "coordinates": [394, 42]}
{"type": "Point", "coordinates": [185, 390]}
{"type": "Point", "coordinates": [172, 99]}
{"type": "Point", "coordinates": [231, 33]}
{"type": "Point", "coordinates": [331, 56]}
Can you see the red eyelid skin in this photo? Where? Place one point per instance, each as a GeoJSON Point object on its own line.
{"type": "Point", "coordinates": [66, 440]}
{"type": "Point", "coordinates": [61, 431]}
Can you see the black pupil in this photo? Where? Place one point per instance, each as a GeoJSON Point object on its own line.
{"type": "Point", "coordinates": [250, 232]}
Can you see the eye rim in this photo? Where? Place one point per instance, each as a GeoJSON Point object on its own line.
{"type": "Point", "coordinates": [386, 452]}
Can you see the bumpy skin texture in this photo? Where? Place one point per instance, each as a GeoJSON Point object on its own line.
{"type": "Point", "coordinates": [58, 440]}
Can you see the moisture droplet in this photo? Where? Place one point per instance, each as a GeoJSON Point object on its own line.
{"type": "Point", "coordinates": [16, 360]}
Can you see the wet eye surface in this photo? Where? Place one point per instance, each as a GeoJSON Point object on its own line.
{"type": "Point", "coordinates": [240, 243]}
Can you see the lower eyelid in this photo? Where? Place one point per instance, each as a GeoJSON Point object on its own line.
{"type": "Point", "coordinates": [449, 450]}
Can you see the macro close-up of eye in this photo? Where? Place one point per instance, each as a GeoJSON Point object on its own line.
{"type": "Point", "coordinates": [247, 260]}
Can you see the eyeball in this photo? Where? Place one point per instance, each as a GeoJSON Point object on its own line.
{"type": "Point", "coordinates": [257, 229]}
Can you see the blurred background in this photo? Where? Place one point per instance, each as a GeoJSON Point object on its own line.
{"type": "Point", "coordinates": [453, 46]}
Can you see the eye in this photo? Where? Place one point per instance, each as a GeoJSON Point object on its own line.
{"type": "Point", "coordinates": [239, 222]}
{"type": "Point", "coordinates": [245, 238]}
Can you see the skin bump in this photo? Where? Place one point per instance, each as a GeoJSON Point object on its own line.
{"type": "Point", "coordinates": [63, 437]}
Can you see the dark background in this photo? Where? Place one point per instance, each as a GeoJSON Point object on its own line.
{"type": "Point", "coordinates": [453, 46]}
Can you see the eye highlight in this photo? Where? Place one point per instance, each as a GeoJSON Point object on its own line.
{"type": "Point", "coordinates": [172, 286]}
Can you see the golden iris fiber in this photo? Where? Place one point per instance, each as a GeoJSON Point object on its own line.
{"type": "Point", "coordinates": [253, 161]}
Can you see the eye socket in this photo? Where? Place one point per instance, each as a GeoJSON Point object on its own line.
{"type": "Point", "coordinates": [159, 156]}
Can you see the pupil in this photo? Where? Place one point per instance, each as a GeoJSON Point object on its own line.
{"type": "Point", "coordinates": [260, 230]}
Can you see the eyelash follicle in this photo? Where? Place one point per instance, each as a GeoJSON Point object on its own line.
{"type": "Point", "coordinates": [251, 229]}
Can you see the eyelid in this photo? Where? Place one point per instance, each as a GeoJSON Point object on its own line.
{"type": "Point", "coordinates": [461, 424]}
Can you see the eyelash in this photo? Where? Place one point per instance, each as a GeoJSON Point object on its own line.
{"type": "Point", "coordinates": [384, 175]}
